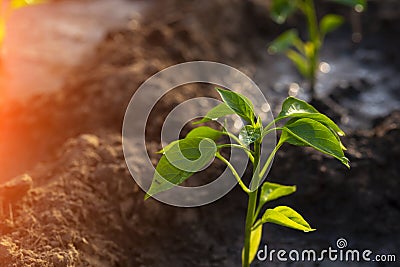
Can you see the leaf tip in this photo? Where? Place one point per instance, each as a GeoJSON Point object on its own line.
{"type": "Point", "coordinates": [271, 50]}
{"type": "Point", "coordinates": [219, 89]}
{"type": "Point", "coordinates": [346, 162]}
{"type": "Point", "coordinates": [309, 230]}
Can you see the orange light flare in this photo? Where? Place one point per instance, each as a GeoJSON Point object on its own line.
{"type": "Point", "coordinates": [19, 51]}
{"type": "Point", "coordinates": [17, 78]}
{"type": "Point", "coordinates": [42, 45]}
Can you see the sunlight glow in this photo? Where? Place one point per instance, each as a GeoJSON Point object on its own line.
{"type": "Point", "coordinates": [293, 89]}
{"type": "Point", "coordinates": [324, 67]}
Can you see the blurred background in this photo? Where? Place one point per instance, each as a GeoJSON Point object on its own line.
{"type": "Point", "coordinates": [67, 72]}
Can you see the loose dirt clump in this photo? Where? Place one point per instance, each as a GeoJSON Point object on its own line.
{"type": "Point", "coordinates": [68, 216]}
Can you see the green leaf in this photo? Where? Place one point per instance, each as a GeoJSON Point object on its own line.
{"type": "Point", "coordinates": [300, 62]}
{"type": "Point", "coordinates": [337, 138]}
{"type": "Point", "coordinates": [282, 9]}
{"type": "Point", "coordinates": [292, 106]}
{"type": "Point", "coordinates": [180, 161]}
{"type": "Point", "coordinates": [287, 217]}
{"type": "Point", "coordinates": [283, 42]}
{"type": "Point", "coordinates": [299, 143]}
{"type": "Point", "coordinates": [203, 132]}
{"type": "Point", "coordinates": [312, 133]}
{"type": "Point", "coordinates": [238, 103]}
{"type": "Point", "coordinates": [310, 48]}
{"type": "Point", "coordinates": [249, 134]}
{"type": "Point", "coordinates": [330, 23]}
{"type": "Point", "coordinates": [296, 108]}
{"type": "Point", "coordinates": [294, 141]}
{"type": "Point", "coordinates": [352, 3]}
{"type": "Point", "coordinates": [218, 111]}
{"type": "Point", "coordinates": [272, 191]}
{"type": "Point", "coordinates": [167, 147]}
{"type": "Point", "coordinates": [255, 240]}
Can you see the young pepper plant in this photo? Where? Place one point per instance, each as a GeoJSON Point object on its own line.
{"type": "Point", "coordinates": [303, 126]}
{"type": "Point", "coordinates": [305, 54]}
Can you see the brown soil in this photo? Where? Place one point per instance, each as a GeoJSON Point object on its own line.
{"type": "Point", "coordinates": [79, 206]}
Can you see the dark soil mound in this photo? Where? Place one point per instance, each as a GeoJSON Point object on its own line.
{"type": "Point", "coordinates": [84, 209]}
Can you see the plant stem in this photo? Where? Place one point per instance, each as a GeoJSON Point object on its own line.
{"type": "Point", "coordinates": [251, 207]}
{"type": "Point", "coordinates": [249, 222]}
{"type": "Point", "coordinates": [248, 151]}
{"type": "Point", "coordinates": [312, 22]}
{"type": "Point", "coordinates": [234, 172]}
{"type": "Point", "coordinates": [240, 143]}
{"type": "Point", "coordinates": [269, 160]}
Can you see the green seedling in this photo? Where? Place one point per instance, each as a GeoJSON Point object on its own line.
{"type": "Point", "coordinates": [305, 54]}
{"type": "Point", "coordinates": [302, 125]}
{"type": "Point", "coordinates": [6, 7]}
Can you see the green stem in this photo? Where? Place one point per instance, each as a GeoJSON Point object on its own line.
{"type": "Point", "coordinates": [312, 21]}
{"type": "Point", "coordinates": [248, 151]}
{"type": "Point", "coordinates": [256, 224]}
{"type": "Point", "coordinates": [256, 213]}
{"type": "Point", "coordinates": [272, 123]}
{"type": "Point", "coordinates": [234, 172]}
{"type": "Point", "coordinates": [231, 135]}
{"type": "Point", "coordinates": [315, 38]}
{"type": "Point", "coordinates": [265, 131]}
{"type": "Point", "coordinates": [251, 207]}
{"type": "Point", "coordinates": [234, 137]}
{"type": "Point", "coordinates": [271, 156]}
{"type": "Point", "coordinates": [249, 222]}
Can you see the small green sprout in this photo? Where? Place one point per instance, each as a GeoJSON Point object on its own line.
{"type": "Point", "coordinates": [305, 54]}
{"type": "Point", "coordinates": [302, 125]}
